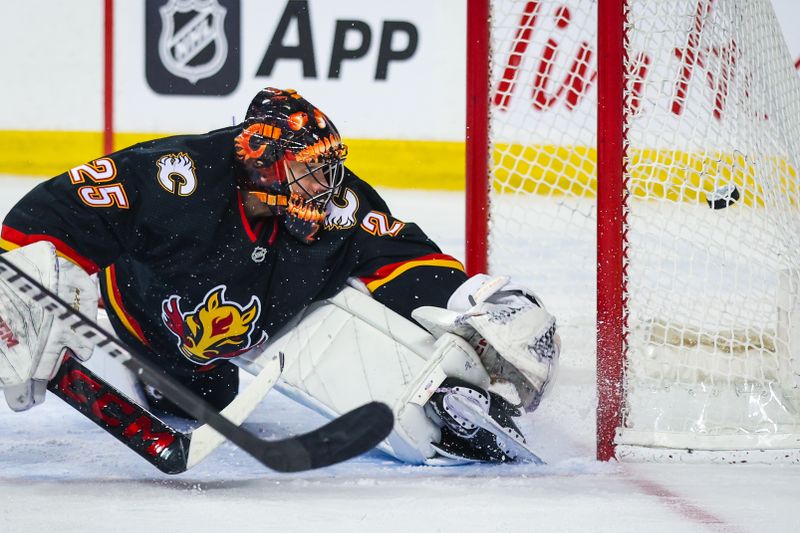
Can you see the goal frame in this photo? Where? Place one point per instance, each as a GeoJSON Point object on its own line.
{"type": "Point", "coordinates": [611, 195]}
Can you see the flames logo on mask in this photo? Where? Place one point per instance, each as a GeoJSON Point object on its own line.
{"type": "Point", "coordinates": [216, 329]}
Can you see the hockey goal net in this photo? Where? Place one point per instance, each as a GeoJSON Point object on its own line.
{"type": "Point", "coordinates": [682, 222]}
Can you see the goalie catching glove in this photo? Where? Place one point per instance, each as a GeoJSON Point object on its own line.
{"type": "Point", "coordinates": [509, 328]}
{"type": "Point", "coordinates": [32, 341]}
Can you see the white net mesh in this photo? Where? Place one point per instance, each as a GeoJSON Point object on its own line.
{"type": "Point", "coordinates": [713, 107]}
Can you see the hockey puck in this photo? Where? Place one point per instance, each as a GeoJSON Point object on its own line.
{"type": "Point", "coordinates": [722, 197]}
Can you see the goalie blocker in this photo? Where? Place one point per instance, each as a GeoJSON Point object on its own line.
{"type": "Point", "coordinates": [350, 349]}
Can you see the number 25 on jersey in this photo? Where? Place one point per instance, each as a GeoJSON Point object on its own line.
{"type": "Point", "coordinates": [103, 194]}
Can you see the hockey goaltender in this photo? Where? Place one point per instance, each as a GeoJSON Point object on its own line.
{"type": "Point", "coordinates": [215, 251]}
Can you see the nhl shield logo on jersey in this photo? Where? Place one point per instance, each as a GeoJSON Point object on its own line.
{"type": "Point", "coordinates": [341, 211]}
{"type": "Point", "coordinates": [259, 254]}
{"type": "Point", "coordinates": [215, 329]}
{"type": "Point", "coordinates": [183, 46]}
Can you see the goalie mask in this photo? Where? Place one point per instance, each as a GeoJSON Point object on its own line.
{"type": "Point", "coordinates": [292, 158]}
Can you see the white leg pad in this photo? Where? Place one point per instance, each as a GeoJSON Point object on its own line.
{"type": "Point", "coordinates": [350, 350]}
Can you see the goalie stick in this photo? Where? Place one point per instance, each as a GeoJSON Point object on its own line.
{"type": "Point", "coordinates": [168, 449]}
{"type": "Point", "coordinates": [345, 437]}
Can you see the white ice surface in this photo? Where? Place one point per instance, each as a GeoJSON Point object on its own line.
{"type": "Point", "coordinates": [60, 473]}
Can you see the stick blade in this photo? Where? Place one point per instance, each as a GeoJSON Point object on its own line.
{"type": "Point", "coordinates": [345, 437]}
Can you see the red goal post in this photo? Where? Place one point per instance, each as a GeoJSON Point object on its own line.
{"type": "Point", "coordinates": [672, 136]}
{"type": "Point", "coordinates": [477, 136]}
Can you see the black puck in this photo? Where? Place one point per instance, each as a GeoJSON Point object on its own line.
{"type": "Point", "coordinates": [722, 197]}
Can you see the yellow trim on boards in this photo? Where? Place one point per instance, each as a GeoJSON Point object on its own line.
{"type": "Point", "coordinates": [47, 153]}
{"type": "Point", "coordinates": [545, 170]}
{"type": "Point", "coordinates": [674, 175]}
{"type": "Point", "coordinates": [383, 163]}
{"type": "Point", "coordinates": [434, 165]}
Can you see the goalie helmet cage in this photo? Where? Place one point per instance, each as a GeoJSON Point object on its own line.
{"type": "Point", "coordinates": [651, 168]}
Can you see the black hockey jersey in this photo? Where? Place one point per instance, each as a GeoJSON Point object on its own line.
{"type": "Point", "coordinates": [184, 272]}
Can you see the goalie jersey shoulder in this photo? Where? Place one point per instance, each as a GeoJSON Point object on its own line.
{"type": "Point", "coordinates": [358, 206]}
{"type": "Point", "coordinates": [179, 167]}
{"type": "Point", "coordinates": [126, 200]}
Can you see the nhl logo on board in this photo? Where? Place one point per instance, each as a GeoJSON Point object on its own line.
{"type": "Point", "coordinates": [259, 254]}
{"type": "Point", "coordinates": [181, 44]}
{"type": "Point", "coordinates": [192, 46]}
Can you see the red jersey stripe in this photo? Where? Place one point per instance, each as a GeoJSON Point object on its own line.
{"type": "Point", "coordinates": [11, 238]}
{"type": "Point", "coordinates": [387, 273]}
{"type": "Point", "coordinates": [117, 306]}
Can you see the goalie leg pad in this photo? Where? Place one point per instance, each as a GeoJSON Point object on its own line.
{"type": "Point", "coordinates": [350, 350]}
{"type": "Point", "coordinates": [32, 343]}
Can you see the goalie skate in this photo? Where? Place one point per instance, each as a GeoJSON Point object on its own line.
{"type": "Point", "coordinates": [478, 426]}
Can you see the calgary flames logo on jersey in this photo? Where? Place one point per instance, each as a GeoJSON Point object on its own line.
{"type": "Point", "coordinates": [176, 174]}
{"type": "Point", "coordinates": [216, 329]}
{"type": "Point", "coordinates": [341, 211]}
